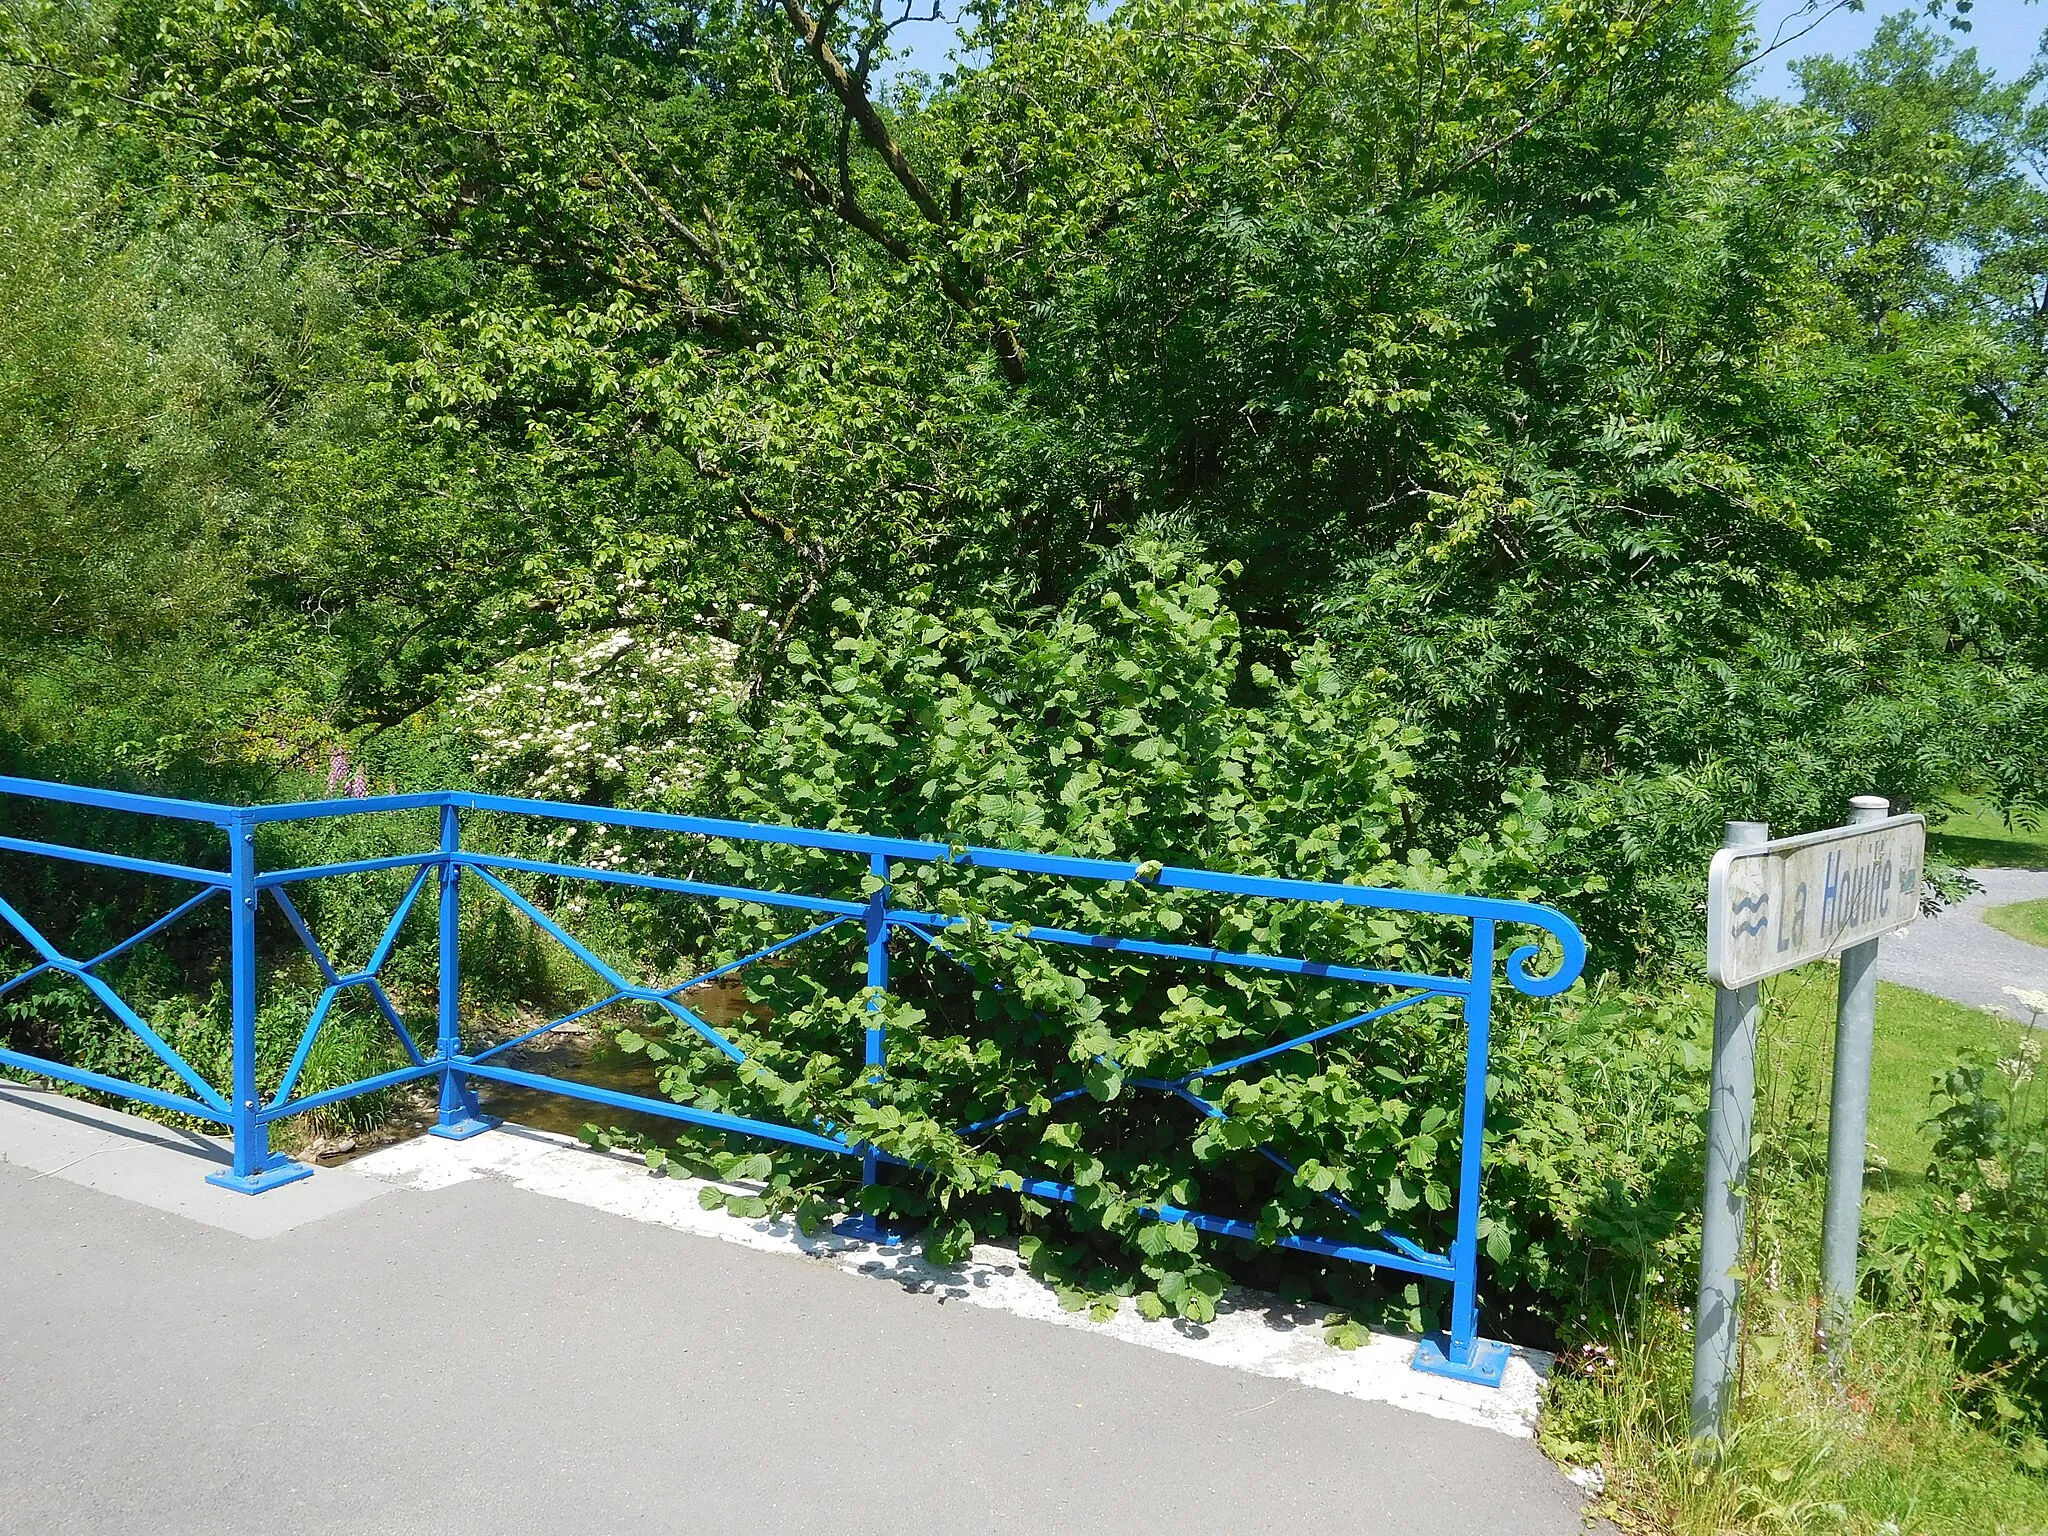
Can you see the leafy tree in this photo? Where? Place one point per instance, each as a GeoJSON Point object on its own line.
{"type": "Point", "coordinates": [146, 379]}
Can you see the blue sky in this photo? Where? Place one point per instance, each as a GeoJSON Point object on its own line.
{"type": "Point", "coordinates": [2005, 34]}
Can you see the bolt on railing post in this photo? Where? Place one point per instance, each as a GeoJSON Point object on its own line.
{"type": "Point", "coordinates": [459, 1117]}
{"type": "Point", "coordinates": [1731, 1115]}
{"type": "Point", "coordinates": [1848, 1122]}
{"type": "Point", "coordinates": [1459, 1352]}
{"type": "Point", "coordinates": [254, 1168]}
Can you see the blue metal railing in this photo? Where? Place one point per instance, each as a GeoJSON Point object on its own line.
{"type": "Point", "coordinates": [244, 1110]}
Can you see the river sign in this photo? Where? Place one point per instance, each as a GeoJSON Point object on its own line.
{"type": "Point", "coordinates": [1771, 906]}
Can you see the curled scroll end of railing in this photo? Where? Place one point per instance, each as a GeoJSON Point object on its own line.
{"type": "Point", "coordinates": [1570, 965]}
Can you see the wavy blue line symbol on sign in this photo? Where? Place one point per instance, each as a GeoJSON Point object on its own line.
{"type": "Point", "coordinates": [1759, 923]}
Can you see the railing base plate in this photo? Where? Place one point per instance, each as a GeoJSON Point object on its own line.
{"type": "Point", "coordinates": [283, 1171]}
{"type": "Point", "coordinates": [463, 1129]}
{"type": "Point", "coordinates": [1488, 1364]}
{"type": "Point", "coordinates": [867, 1229]}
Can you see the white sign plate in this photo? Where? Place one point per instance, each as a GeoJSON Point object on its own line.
{"type": "Point", "coordinates": [1775, 905]}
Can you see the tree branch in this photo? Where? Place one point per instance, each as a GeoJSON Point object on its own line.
{"type": "Point", "coordinates": [855, 99]}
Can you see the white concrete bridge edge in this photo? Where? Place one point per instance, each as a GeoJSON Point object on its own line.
{"type": "Point", "coordinates": [1256, 1333]}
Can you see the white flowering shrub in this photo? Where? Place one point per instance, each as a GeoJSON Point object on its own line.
{"type": "Point", "coordinates": [628, 717]}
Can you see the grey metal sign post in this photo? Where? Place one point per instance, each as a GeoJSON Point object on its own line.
{"type": "Point", "coordinates": [1731, 1106]}
{"type": "Point", "coordinates": [1772, 906]}
{"type": "Point", "coordinates": [1841, 1229]}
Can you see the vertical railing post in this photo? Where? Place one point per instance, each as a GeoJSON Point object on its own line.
{"type": "Point", "coordinates": [255, 1168]}
{"type": "Point", "coordinates": [1731, 1115]}
{"type": "Point", "coordinates": [866, 1226]}
{"type": "Point", "coordinates": [1459, 1352]}
{"type": "Point", "coordinates": [1848, 1123]}
{"type": "Point", "coordinates": [459, 1117]}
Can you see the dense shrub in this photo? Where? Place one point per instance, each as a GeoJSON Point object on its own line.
{"type": "Point", "coordinates": [1127, 724]}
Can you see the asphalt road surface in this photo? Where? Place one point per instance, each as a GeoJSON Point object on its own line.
{"type": "Point", "coordinates": [483, 1359]}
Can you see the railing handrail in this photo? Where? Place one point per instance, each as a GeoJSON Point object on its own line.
{"type": "Point", "coordinates": [1527, 914]}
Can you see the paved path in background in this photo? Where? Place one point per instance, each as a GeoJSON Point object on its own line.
{"type": "Point", "coordinates": [478, 1358]}
{"type": "Point", "coordinates": [1959, 956]}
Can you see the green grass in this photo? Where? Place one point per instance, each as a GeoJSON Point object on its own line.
{"type": "Point", "coordinates": [1917, 1036]}
{"type": "Point", "coordinates": [1883, 1452]}
{"type": "Point", "coordinates": [2022, 919]}
{"type": "Point", "coordinates": [1977, 837]}
{"type": "Point", "coordinates": [1886, 1451]}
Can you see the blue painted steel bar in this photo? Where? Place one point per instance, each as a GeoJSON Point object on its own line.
{"type": "Point", "coordinates": [1571, 943]}
{"type": "Point", "coordinates": [142, 936]}
{"type": "Point", "coordinates": [353, 1090]}
{"type": "Point", "coordinates": [315, 1022]}
{"type": "Point", "coordinates": [318, 1021]}
{"type": "Point", "coordinates": [753, 897]}
{"type": "Point", "coordinates": [875, 1048]}
{"type": "Point", "coordinates": [352, 867]}
{"type": "Point", "coordinates": [1310, 1038]}
{"type": "Point", "coordinates": [663, 999]}
{"type": "Point", "coordinates": [368, 976]}
{"type": "Point", "coordinates": [120, 861]}
{"type": "Point", "coordinates": [389, 941]}
{"type": "Point", "coordinates": [120, 1087]}
{"type": "Point", "coordinates": [1065, 866]}
{"type": "Point", "coordinates": [1475, 908]}
{"type": "Point", "coordinates": [458, 1118]}
{"type": "Point", "coordinates": [305, 933]}
{"type": "Point", "coordinates": [1329, 1197]}
{"type": "Point", "coordinates": [1460, 1352]}
{"type": "Point", "coordinates": [605, 972]}
{"type": "Point", "coordinates": [313, 810]}
{"type": "Point", "coordinates": [112, 1001]}
{"type": "Point", "coordinates": [254, 1169]}
{"type": "Point", "coordinates": [534, 1034]}
{"type": "Point", "coordinates": [115, 1004]}
{"type": "Point", "coordinates": [710, 826]}
{"type": "Point", "coordinates": [865, 1224]}
{"type": "Point", "coordinates": [1017, 1114]}
{"type": "Point", "coordinates": [760, 954]}
{"type": "Point", "coordinates": [666, 1109]}
{"type": "Point", "coordinates": [384, 1006]}
{"type": "Point", "coordinates": [1199, 953]}
{"type": "Point", "coordinates": [41, 967]}
{"type": "Point", "coordinates": [1178, 1086]}
{"type": "Point", "coordinates": [42, 946]}
{"type": "Point", "coordinates": [1413, 1262]}
{"type": "Point", "coordinates": [337, 983]}
{"type": "Point", "coordinates": [116, 800]}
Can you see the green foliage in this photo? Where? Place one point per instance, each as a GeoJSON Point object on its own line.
{"type": "Point", "coordinates": [1974, 835]}
{"type": "Point", "coordinates": [146, 376]}
{"type": "Point", "coordinates": [1978, 1245]}
{"type": "Point", "coordinates": [1129, 719]}
{"type": "Point", "coordinates": [1672, 446]}
{"type": "Point", "coordinates": [1627, 432]}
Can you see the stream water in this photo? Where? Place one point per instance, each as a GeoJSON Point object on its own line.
{"type": "Point", "coordinates": [585, 1053]}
